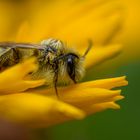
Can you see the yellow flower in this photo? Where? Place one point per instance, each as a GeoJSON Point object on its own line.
{"type": "Point", "coordinates": [22, 102]}
{"type": "Point", "coordinates": [41, 108]}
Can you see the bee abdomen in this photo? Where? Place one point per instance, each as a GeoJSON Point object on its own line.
{"type": "Point", "coordinates": [9, 59]}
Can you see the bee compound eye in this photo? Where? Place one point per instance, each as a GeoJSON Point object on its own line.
{"type": "Point", "coordinates": [69, 61]}
{"type": "Point", "coordinates": [71, 67]}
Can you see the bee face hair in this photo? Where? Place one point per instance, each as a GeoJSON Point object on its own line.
{"type": "Point", "coordinates": [70, 61]}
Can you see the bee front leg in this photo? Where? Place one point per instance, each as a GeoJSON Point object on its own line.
{"type": "Point", "coordinates": [55, 79]}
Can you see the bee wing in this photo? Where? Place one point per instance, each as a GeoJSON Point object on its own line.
{"type": "Point", "coordinates": [4, 51]}
{"type": "Point", "coordinates": [25, 48]}
{"type": "Point", "coordinates": [20, 45]}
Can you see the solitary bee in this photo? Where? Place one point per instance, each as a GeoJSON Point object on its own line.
{"type": "Point", "coordinates": [57, 63]}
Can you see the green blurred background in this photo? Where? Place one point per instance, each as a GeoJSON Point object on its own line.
{"type": "Point", "coordinates": [108, 125]}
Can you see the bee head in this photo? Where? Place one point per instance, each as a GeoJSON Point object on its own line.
{"type": "Point", "coordinates": [74, 65]}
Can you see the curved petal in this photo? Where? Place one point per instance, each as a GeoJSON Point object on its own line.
{"type": "Point", "coordinates": [85, 96]}
{"type": "Point", "coordinates": [88, 93]}
{"type": "Point", "coordinates": [81, 21]}
{"type": "Point", "coordinates": [23, 34]}
{"type": "Point", "coordinates": [100, 31]}
{"type": "Point", "coordinates": [101, 107]}
{"type": "Point", "coordinates": [12, 79]}
{"type": "Point", "coordinates": [108, 83]}
{"type": "Point", "coordinates": [33, 109]}
{"type": "Point", "coordinates": [98, 55]}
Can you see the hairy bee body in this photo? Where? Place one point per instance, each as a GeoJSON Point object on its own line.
{"type": "Point", "coordinates": [57, 63]}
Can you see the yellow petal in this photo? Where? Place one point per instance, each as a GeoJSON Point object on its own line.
{"type": "Point", "coordinates": [88, 93]}
{"type": "Point", "coordinates": [100, 31]}
{"type": "Point", "coordinates": [35, 110]}
{"type": "Point", "coordinates": [23, 34]}
{"type": "Point", "coordinates": [108, 83]}
{"type": "Point", "coordinates": [99, 54]}
{"type": "Point", "coordinates": [86, 96]}
{"type": "Point", "coordinates": [81, 21]}
{"type": "Point", "coordinates": [90, 97]}
{"type": "Point", "coordinates": [12, 79]}
{"type": "Point", "coordinates": [101, 107]}
{"type": "Point", "coordinates": [81, 97]}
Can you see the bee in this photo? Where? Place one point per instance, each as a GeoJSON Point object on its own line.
{"type": "Point", "coordinates": [57, 63]}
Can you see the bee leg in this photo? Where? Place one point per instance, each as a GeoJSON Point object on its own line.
{"type": "Point", "coordinates": [55, 80]}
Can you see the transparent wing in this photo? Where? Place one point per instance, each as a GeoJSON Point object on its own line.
{"type": "Point", "coordinates": [20, 45]}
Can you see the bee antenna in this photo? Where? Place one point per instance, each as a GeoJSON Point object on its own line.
{"type": "Point", "coordinates": [89, 47]}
